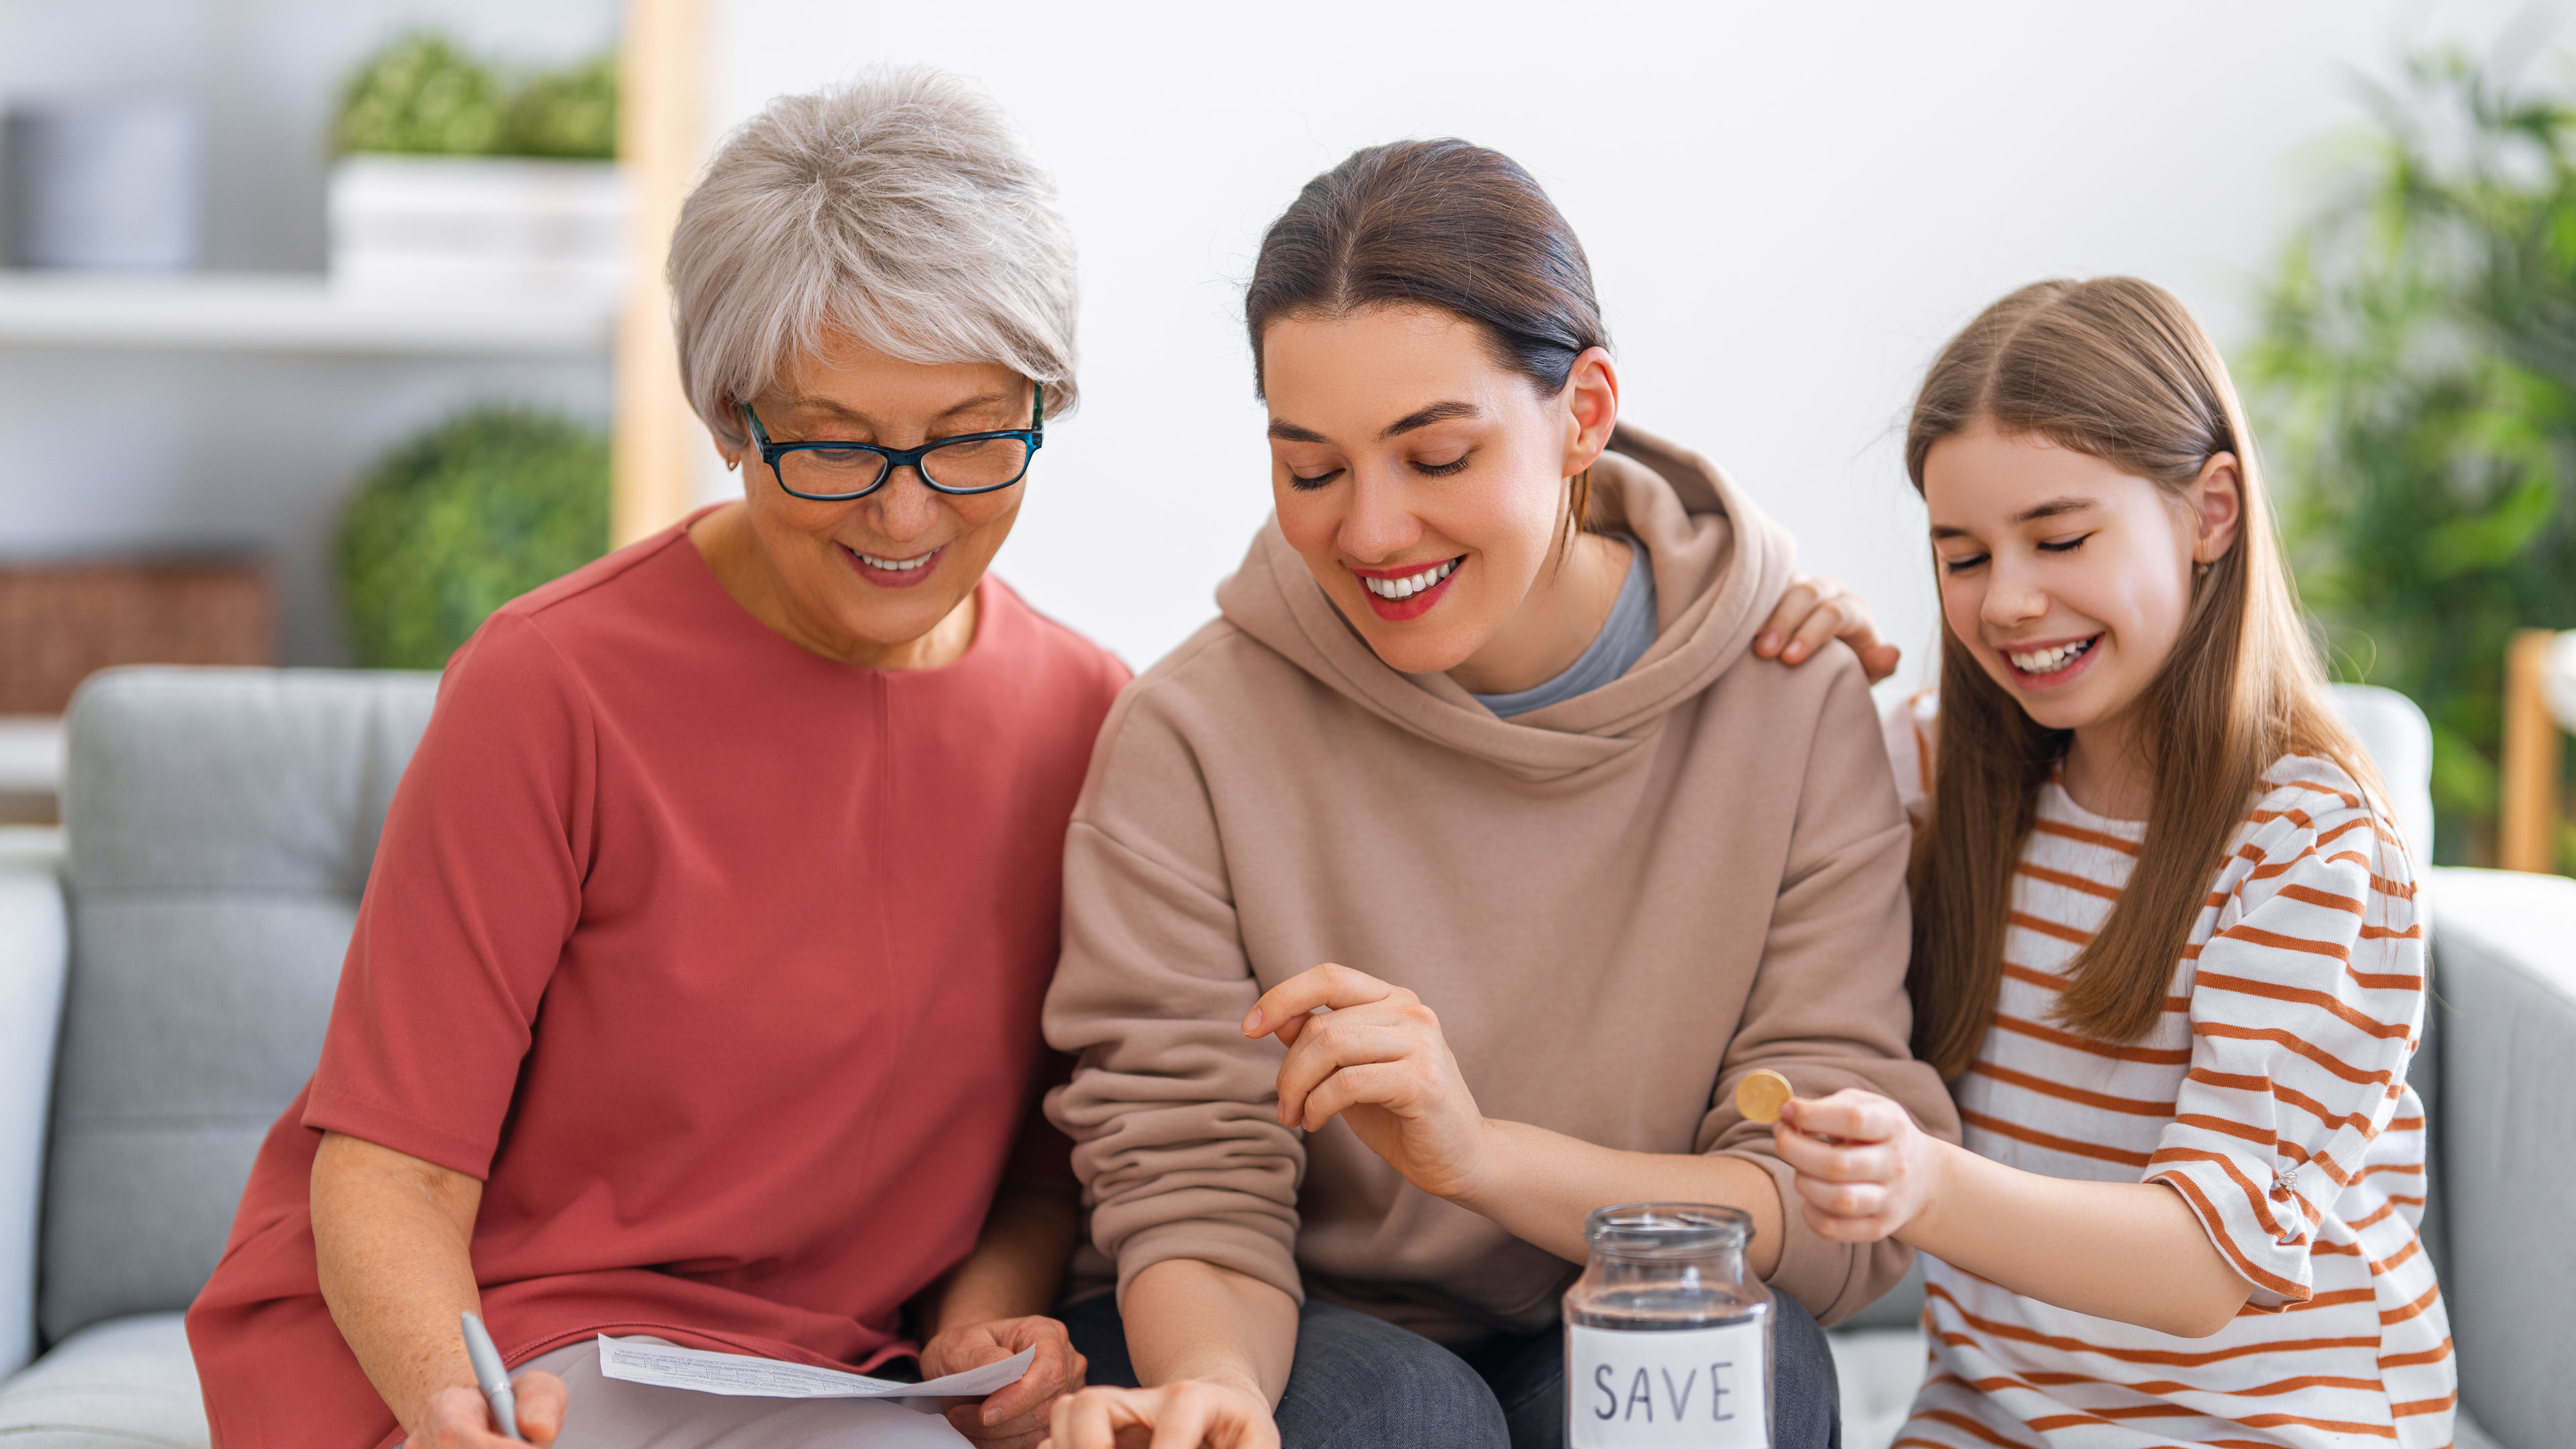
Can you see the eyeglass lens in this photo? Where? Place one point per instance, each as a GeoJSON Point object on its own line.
{"type": "Point", "coordinates": [971, 463]}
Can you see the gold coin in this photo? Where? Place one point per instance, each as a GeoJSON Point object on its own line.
{"type": "Point", "coordinates": [1761, 1096]}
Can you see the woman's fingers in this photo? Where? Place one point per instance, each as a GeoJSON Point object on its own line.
{"type": "Point", "coordinates": [1017, 1413]}
{"type": "Point", "coordinates": [1021, 1433]}
{"type": "Point", "coordinates": [1328, 985]}
{"type": "Point", "coordinates": [1334, 1043]}
{"type": "Point", "coordinates": [1379, 1084]}
{"type": "Point", "coordinates": [1184, 1415]}
{"type": "Point", "coordinates": [1183, 1419]}
{"type": "Point", "coordinates": [1085, 1420]}
{"type": "Point", "coordinates": [458, 1418]}
{"type": "Point", "coordinates": [1203, 1413]}
{"type": "Point", "coordinates": [1056, 1370]}
{"type": "Point", "coordinates": [541, 1399]}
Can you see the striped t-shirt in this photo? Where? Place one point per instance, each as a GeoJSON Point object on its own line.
{"type": "Point", "coordinates": [2272, 1095]}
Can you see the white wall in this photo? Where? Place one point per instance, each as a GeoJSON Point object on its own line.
{"type": "Point", "coordinates": [1787, 207]}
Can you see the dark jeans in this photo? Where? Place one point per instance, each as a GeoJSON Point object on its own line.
{"type": "Point", "coordinates": [1360, 1383]}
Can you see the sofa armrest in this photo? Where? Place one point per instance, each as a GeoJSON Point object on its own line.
{"type": "Point", "coordinates": [34, 955]}
{"type": "Point", "coordinates": [2504, 1124]}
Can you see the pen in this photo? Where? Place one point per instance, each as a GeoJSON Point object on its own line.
{"type": "Point", "coordinates": [494, 1379]}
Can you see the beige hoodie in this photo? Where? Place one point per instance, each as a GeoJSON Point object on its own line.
{"type": "Point", "coordinates": [1618, 905]}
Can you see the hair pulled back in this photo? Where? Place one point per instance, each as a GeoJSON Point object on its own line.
{"type": "Point", "coordinates": [1443, 224]}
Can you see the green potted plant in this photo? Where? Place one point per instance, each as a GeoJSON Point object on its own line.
{"type": "Point", "coordinates": [2416, 378]}
{"type": "Point", "coordinates": [459, 520]}
{"type": "Point", "coordinates": [457, 176]}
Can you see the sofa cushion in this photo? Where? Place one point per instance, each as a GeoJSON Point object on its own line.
{"type": "Point", "coordinates": [2504, 972]}
{"type": "Point", "coordinates": [32, 948]}
{"type": "Point", "coordinates": [219, 824]}
{"type": "Point", "coordinates": [124, 1383]}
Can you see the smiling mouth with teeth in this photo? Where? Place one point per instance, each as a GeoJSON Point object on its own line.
{"type": "Point", "coordinates": [1411, 584]}
{"type": "Point", "coordinates": [892, 565]}
{"type": "Point", "coordinates": [2052, 660]}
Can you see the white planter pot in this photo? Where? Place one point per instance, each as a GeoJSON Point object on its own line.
{"type": "Point", "coordinates": [415, 226]}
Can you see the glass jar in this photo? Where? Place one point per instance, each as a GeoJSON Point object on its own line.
{"type": "Point", "coordinates": [1667, 1333]}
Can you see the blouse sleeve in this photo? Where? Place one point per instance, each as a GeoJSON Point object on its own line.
{"type": "Point", "coordinates": [2305, 1006]}
{"type": "Point", "coordinates": [475, 888]}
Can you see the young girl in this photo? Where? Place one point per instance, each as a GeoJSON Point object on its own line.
{"type": "Point", "coordinates": [2166, 945]}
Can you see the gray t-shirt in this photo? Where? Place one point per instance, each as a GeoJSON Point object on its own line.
{"type": "Point", "coordinates": [1624, 639]}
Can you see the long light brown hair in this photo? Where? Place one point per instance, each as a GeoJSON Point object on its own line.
{"type": "Point", "coordinates": [2118, 369]}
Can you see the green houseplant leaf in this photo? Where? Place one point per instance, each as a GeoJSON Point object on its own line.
{"type": "Point", "coordinates": [2417, 380]}
{"type": "Point", "coordinates": [570, 113]}
{"type": "Point", "coordinates": [462, 519]}
{"type": "Point", "coordinates": [422, 94]}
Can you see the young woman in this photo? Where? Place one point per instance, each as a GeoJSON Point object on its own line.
{"type": "Point", "coordinates": [1482, 732]}
{"type": "Point", "coordinates": [2166, 945]}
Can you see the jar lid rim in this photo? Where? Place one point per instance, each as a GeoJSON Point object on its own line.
{"type": "Point", "coordinates": [1666, 1229]}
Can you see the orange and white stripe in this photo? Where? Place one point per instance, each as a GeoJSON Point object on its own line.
{"type": "Point", "coordinates": [2272, 1095]}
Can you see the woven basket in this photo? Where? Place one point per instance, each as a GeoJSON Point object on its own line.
{"type": "Point", "coordinates": [62, 622]}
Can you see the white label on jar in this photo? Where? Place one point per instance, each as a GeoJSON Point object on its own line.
{"type": "Point", "coordinates": [1643, 1389]}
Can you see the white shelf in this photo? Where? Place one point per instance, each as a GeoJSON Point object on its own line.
{"type": "Point", "coordinates": [253, 312]}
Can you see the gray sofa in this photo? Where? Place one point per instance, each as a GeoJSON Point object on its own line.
{"type": "Point", "coordinates": [165, 978]}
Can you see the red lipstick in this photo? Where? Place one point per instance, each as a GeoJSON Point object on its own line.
{"type": "Point", "coordinates": [1396, 611]}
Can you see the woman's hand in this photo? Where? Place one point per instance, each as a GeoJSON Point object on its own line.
{"type": "Point", "coordinates": [1815, 610]}
{"type": "Point", "coordinates": [457, 1417]}
{"type": "Point", "coordinates": [1377, 1060]}
{"type": "Point", "coordinates": [1182, 1415]}
{"type": "Point", "coordinates": [1014, 1417]}
{"type": "Point", "coordinates": [1864, 1170]}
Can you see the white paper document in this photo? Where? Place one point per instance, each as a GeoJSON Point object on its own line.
{"type": "Point", "coordinates": [743, 1375]}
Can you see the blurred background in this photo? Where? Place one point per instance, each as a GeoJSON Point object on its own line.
{"type": "Point", "coordinates": [326, 327]}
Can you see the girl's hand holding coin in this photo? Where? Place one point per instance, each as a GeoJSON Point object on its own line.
{"type": "Point", "coordinates": [1864, 1169]}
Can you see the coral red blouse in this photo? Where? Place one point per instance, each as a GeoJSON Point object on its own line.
{"type": "Point", "coordinates": [717, 961]}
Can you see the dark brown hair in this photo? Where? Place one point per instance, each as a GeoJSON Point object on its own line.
{"type": "Point", "coordinates": [1441, 224]}
{"type": "Point", "coordinates": [2118, 369]}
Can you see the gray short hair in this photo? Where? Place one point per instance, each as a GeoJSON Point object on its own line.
{"type": "Point", "coordinates": [900, 207]}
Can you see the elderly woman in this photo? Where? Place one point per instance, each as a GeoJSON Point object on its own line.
{"type": "Point", "coordinates": [695, 991]}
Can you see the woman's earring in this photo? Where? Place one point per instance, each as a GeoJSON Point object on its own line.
{"type": "Point", "coordinates": [733, 463]}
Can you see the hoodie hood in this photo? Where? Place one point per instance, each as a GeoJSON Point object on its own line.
{"type": "Point", "coordinates": [1719, 567]}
